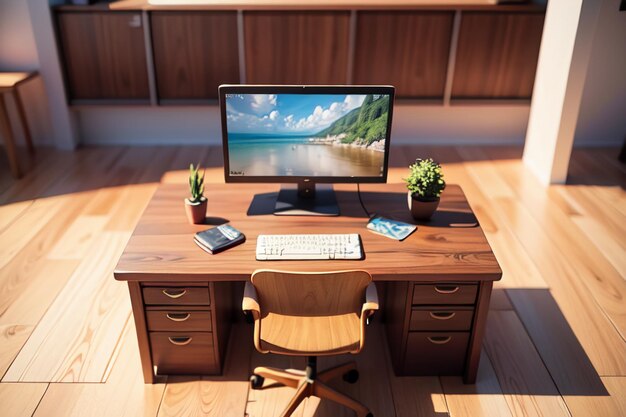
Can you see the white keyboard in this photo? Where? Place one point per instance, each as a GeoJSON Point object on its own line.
{"type": "Point", "coordinates": [289, 247]}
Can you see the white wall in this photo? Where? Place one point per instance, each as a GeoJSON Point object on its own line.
{"type": "Point", "coordinates": [602, 118]}
{"type": "Point", "coordinates": [425, 124]}
{"type": "Point", "coordinates": [18, 52]}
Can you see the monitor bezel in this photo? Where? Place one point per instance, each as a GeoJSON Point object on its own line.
{"type": "Point", "coordinates": [303, 89]}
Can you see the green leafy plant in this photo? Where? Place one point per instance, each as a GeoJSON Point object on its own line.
{"type": "Point", "coordinates": [425, 180]}
{"type": "Point", "coordinates": [196, 184]}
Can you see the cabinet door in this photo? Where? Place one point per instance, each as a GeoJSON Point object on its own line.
{"type": "Point", "coordinates": [194, 53]}
{"type": "Point", "coordinates": [408, 50]}
{"type": "Point", "coordinates": [104, 55]}
{"type": "Point", "coordinates": [296, 47]}
{"type": "Point", "coordinates": [497, 55]}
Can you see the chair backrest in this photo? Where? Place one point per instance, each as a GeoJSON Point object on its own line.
{"type": "Point", "coordinates": [311, 294]}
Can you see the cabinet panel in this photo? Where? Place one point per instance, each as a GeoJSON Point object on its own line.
{"type": "Point", "coordinates": [443, 293]}
{"type": "Point", "coordinates": [194, 53]}
{"type": "Point", "coordinates": [439, 353]}
{"type": "Point", "coordinates": [181, 353]}
{"type": "Point", "coordinates": [408, 50]}
{"type": "Point", "coordinates": [176, 296]}
{"type": "Point", "coordinates": [497, 55]}
{"type": "Point", "coordinates": [296, 47]}
{"type": "Point", "coordinates": [104, 55]}
{"type": "Point", "coordinates": [441, 318]}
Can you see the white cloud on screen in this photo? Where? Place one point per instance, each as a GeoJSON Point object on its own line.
{"type": "Point", "coordinates": [268, 119]}
{"type": "Point", "coordinates": [263, 103]}
{"type": "Point", "coordinates": [321, 118]}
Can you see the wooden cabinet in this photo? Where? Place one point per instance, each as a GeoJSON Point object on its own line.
{"type": "Point", "coordinates": [182, 328]}
{"type": "Point", "coordinates": [194, 53]}
{"type": "Point", "coordinates": [408, 50]}
{"type": "Point", "coordinates": [104, 55]}
{"type": "Point", "coordinates": [436, 328]}
{"type": "Point", "coordinates": [497, 55]}
{"type": "Point", "coordinates": [296, 47]}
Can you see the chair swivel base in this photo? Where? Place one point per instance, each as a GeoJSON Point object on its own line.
{"type": "Point", "coordinates": [310, 383]}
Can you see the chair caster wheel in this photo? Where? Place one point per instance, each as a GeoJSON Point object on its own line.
{"type": "Point", "coordinates": [256, 381]}
{"type": "Point", "coordinates": [351, 376]}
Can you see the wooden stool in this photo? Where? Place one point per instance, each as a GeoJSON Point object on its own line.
{"type": "Point", "coordinates": [9, 83]}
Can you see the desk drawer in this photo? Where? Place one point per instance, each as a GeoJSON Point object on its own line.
{"type": "Point", "coordinates": [183, 353]}
{"type": "Point", "coordinates": [436, 353]}
{"type": "Point", "coordinates": [441, 319]}
{"type": "Point", "coordinates": [176, 296]}
{"type": "Point", "coordinates": [179, 320]}
{"type": "Point", "coordinates": [444, 293]}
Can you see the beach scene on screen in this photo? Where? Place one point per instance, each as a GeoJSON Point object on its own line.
{"type": "Point", "coordinates": [306, 134]}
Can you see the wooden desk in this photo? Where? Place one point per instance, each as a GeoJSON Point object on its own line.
{"type": "Point", "coordinates": [435, 285]}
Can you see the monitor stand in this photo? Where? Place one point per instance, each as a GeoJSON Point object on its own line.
{"type": "Point", "coordinates": [306, 200]}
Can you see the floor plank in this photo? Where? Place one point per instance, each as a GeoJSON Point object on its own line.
{"type": "Point", "coordinates": [124, 394]}
{"type": "Point", "coordinates": [77, 337]}
{"type": "Point", "coordinates": [484, 398]}
{"type": "Point", "coordinates": [525, 382]}
{"type": "Point", "coordinates": [20, 400]}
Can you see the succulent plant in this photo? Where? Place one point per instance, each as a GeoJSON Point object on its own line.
{"type": "Point", "coordinates": [425, 180]}
{"type": "Point", "coordinates": [196, 184]}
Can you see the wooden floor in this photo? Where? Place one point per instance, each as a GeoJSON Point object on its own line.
{"type": "Point", "coordinates": [555, 339]}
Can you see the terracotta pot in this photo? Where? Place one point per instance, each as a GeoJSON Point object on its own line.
{"type": "Point", "coordinates": [196, 212]}
{"type": "Point", "coordinates": [422, 209]}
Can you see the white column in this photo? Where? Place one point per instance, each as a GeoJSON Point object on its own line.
{"type": "Point", "coordinates": [63, 120]}
{"type": "Point", "coordinates": [568, 33]}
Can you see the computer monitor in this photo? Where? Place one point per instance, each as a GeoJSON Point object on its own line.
{"type": "Point", "coordinates": [306, 135]}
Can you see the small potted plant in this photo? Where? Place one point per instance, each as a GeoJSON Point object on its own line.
{"type": "Point", "coordinates": [425, 184]}
{"type": "Point", "coordinates": [195, 206]}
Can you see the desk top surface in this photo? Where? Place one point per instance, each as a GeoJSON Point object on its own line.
{"type": "Point", "coordinates": [451, 246]}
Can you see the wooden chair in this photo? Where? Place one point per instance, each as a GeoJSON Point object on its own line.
{"type": "Point", "coordinates": [9, 83]}
{"type": "Point", "coordinates": [310, 314]}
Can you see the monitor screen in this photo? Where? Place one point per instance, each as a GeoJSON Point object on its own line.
{"type": "Point", "coordinates": [326, 134]}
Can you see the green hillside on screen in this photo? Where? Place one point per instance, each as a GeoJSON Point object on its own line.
{"type": "Point", "coordinates": [368, 122]}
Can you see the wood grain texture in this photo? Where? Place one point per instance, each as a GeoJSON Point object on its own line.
{"type": "Point", "coordinates": [219, 396]}
{"type": "Point", "coordinates": [80, 330]}
{"type": "Point", "coordinates": [194, 53]}
{"type": "Point", "coordinates": [408, 50]}
{"type": "Point", "coordinates": [484, 398]}
{"type": "Point", "coordinates": [20, 400]}
{"type": "Point", "coordinates": [528, 387]}
{"type": "Point", "coordinates": [531, 261]}
{"type": "Point", "coordinates": [124, 393]}
{"type": "Point", "coordinates": [497, 55]}
{"type": "Point", "coordinates": [296, 47]}
{"type": "Point", "coordinates": [104, 55]}
{"type": "Point", "coordinates": [310, 314]}
{"type": "Point", "coordinates": [162, 246]}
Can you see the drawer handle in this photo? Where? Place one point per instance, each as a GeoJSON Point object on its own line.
{"type": "Point", "coordinates": [442, 315]}
{"type": "Point", "coordinates": [178, 316]}
{"type": "Point", "coordinates": [440, 340]}
{"type": "Point", "coordinates": [178, 294]}
{"type": "Point", "coordinates": [180, 340]}
{"type": "Point", "coordinates": [446, 289]}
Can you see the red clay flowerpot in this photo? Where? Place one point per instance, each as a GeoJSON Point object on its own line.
{"type": "Point", "coordinates": [196, 212]}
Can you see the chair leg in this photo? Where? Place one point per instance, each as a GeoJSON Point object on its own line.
{"type": "Point", "coordinates": [324, 391]}
{"type": "Point", "coordinates": [5, 131]}
{"type": "Point", "coordinates": [304, 390]}
{"type": "Point", "coordinates": [20, 111]}
{"type": "Point", "coordinates": [336, 371]}
{"type": "Point", "coordinates": [283, 377]}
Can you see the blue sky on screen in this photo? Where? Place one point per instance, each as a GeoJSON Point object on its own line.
{"type": "Point", "coordinates": [286, 113]}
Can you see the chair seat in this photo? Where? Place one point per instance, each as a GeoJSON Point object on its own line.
{"type": "Point", "coordinates": [319, 336]}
